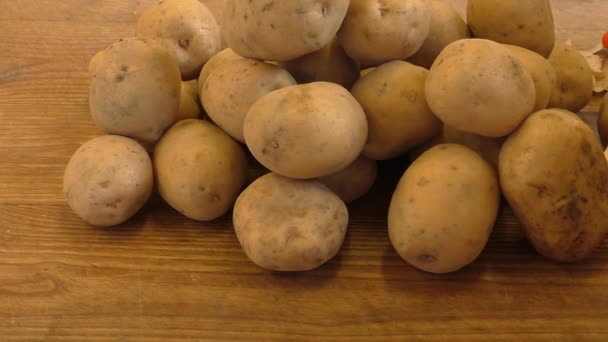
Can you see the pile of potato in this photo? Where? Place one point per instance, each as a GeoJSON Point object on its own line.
{"type": "Point", "coordinates": [318, 91]}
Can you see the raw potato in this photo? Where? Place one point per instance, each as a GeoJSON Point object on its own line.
{"type": "Point", "coordinates": [603, 121]}
{"type": "Point", "coordinates": [200, 170]}
{"type": "Point", "coordinates": [398, 115]}
{"type": "Point", "coordinates": [525, 23]}
{"type": "Point", "coordinates": [444, 209]}
{"type": "Point", "coordinates": [135, 90]}
{"type": "Point", "coordinates": [379, 31]}
{"type": "Point", "coordinates": [187, 29]}
{"type": "Point", "coordinates": [447, 26]}
{"type": "Point", "coordinates": [478, 86]}
{"type": "Point", "coordinates": [108, 180]}
{"type": "Point", "coordinates": [330, 64]}
{"type": "Point", "coordinates": [354, 181]}
{"type": "Point", "coordinates": [542, 73]}
{"type": "Point", "coordinates": [555, 177]}
{"type": "Point", "coordinates": [289, 225]}
{"type": "Point", "coordinates": [574, 87]}
{"type": "Point", "coordinates": [281, 30]}
{"type": "Point", "coordinates": [188, 102]}
{"type": "Point", "coordinates": [233, 88]}
{"type": "Point", "coordinates": [306, 131]}
{"type": "Point", "coordinates": [225, 56]}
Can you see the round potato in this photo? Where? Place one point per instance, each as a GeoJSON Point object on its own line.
{"type": "Point", "coordinates": [186, 28]}
{"type": "Point", "coordinates": [225, 56]}
{"type": "Point", "coordinates": [379, 31]}
{"type": "Point", "coordinates": [444, 209]}
{"type": "Point", "coordinates": [234, 87]}
{"type": "Point", "coordinates": [124, 100]}
{"type": "Point", "coordinates": [354, 181]}
{"type": "Point", "coordinates": [281, 30]}
{"type": "Point", "coordinates": [199, 169]}
{"type": "Point", "coordinates": [555, 177]}
{"type": "Point", "coordinates": [603, 121]}
{"type": "Point", "coordinates": [398, 116]}
{"type": "Point", "coordinates": [306, 131]}
{"type": "Point", "coordinates": [447, 26]}
{"type": "Point", "coordinates": [188, 102]}
{"type": "Point", "coordinates": [525, 23]}
{"type": "Point", "coordinates": [108, 180]}
{"type": "Point", "coordinates": [478, 86]}
{"type": "Point", "coordinates": [574, 87]}
{"type": "Point", "coordinates": [289, 225]}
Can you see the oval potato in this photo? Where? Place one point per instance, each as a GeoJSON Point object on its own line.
{"type": "Point", "coordinates": [354, 181]}
{"type": "Point", "coordinates": [225, 56]}
{"type": "Point", "coordinates": [574, 87]}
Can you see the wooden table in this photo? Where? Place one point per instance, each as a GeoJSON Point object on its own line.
{"type": "Point", "coordinates": [161, 277]}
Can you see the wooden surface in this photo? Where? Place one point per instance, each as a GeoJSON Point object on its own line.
{"type": "Point", "coordinates": [163, 277]}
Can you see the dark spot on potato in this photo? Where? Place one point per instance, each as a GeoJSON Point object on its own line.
{"type": "Point", "coordinates": [119, 78]}
{"type": "Point", "coordinates": [382, 88]}
{"type": "Point", "coordinates": [541, 189]}
{"type": "Point", "coordinates": [412, 200]}
{"type": "Point", "coordinates": [585, 147]}
{"type": "Point", "coordinates": [423, 182]}
{"type": "Point", "coordinates": [564, 87]}
{"type": "Point", "coordinates": [584, 200]}
{"type": "Point", "coordinates": [124, 68]}
{"type": "Point", "coordinates": [312, 35]}
{"type": "Point", "coordinates": [291, 234]}
{"type": "Point", "coordinates": [202, 188]}
{"type": "Point", "coordinates": [521, 26]}
{"type": "Point", "coordinates": [453, 167]}
{"type": "Point", "coordinates": [268, 6]}
{"type": "Point", "coordinates": [104, 184]}
{"type": "Point", "coordinates": [183, 43]}
{"type": "Point", "coordinates": [272, 26]}
{"type": "Point", "coordinates": [384, 11]}
{"type": "Point", "coordinates": [427, 258]}
{"type": "Point", "coordinates": [245, 17]}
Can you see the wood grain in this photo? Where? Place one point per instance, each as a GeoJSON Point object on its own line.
{"type": "Point", "coordinates": [162, 277]}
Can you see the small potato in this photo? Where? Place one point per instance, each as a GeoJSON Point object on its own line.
{"type": "Point", "coordinates": [306, 131]}
{"type": "Point", "coordinates": [330, 64]}
{"type": "Point", "coordinates": [188, 102]}
{"type": "Point", "coordinates": [603, 121]}
{"type": "Point", "coordinates": [281, 30]}
{"type": "Point", "coordinates": [225, 56]}
{"type": "Point", "coordinates": [574, 87]}
{"type": "Point", "coordinates": [108, 180]}
{"type": "Point", "coordinates": [554, 175]}
{"type": "Point", "coordinates": [289, 225]}
{"type": "Point", "coordinates": [444, 209]}
{"type": "Point", "coordinates": [135, 90]}
{"type": "Point", "coordinates": [234, 87]}
{"type": "Point", "coordinates": [379, 31]}
{"type": "Point", "coordinates": [478, 86]}
{"type": "Point", "coordinates": [525, 23]}
{"type": "Point", "coordinates": [200, 170]}
{"type": "Point", "coordinates": [398, 115]}
{"type": "Point", "coordinates": [354, 181]}
{"type": "Point", "coordinates": [186, 28]}
{"type": "Point", "coordinates": [447, 26]}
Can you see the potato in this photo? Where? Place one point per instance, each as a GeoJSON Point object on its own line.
{"type": "Point", "coordinates": [135, 90]}
{"type": "Point", "coordinates": [234, 87]}
{"type": "Point", "coordinates": [444, 208]}
{"type": "Point", "coordinates": [478, 86]}
{"type": "Point", "coordinates": [398, 116]}
{"type": "Point", "coordinates": [555, 177]}
{"type": "Point", "coordinates": [199, 169]}
{"type": "Point", "coordinates": [525, 23]}
{"type": "Point", "coordinates": [379, 31]}
{"type": "Point", "coordinates": [289, 225]}
{"type": "Point", "coordinates": [306, 131]}
{"type": "Point", "coordinates": [354, 181]}
{"type": "Point", "coordinates": [225, 56]}
{"type": "Point", "coordinates": [542, 73]}
{"type": "Point", "coordinates": [330, 64]}
{"type": "Point", "coordinates": [108, 180]}
{"type": "Point", "coordinates": [447, 26]}
{"type": "Point", "coordinates": [574, 87]}
{"type": "Point", "coordinates": [281, 30]}
{"type": "Point", "coordinates": [186, 28]}
{"type": "Point", "coordinates": [188, 102]}
{"type": "Point", "coordinates": [603, 121]}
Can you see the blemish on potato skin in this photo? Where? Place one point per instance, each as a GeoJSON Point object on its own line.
{"type": "Point", "coordinates": [423, 182]}
{"type": "Point", "coordinates": [427, 258]}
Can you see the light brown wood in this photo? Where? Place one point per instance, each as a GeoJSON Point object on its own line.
{"type": "Point", "coordinates": [162, 277]}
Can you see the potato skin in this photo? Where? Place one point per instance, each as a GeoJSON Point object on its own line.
{"type": "Point", "coordinates": [574, 87]}
{"type": "Point", "coordinates": [444, 208]}
{"type": "Point", "coordinates": [603, 121]}
{"type": "Point", "coordinates": [555, 177]}
{"type": "Point", "coordinates": [199, 169]}
{"type": "Point", "coordinates": [478, 86]}
{"type": "Point", "coordinates": [306, 131]}
{"type": "Point", "coordinates": [525, 23]}
{"type": "Point", "coordinates": [354, 181]}
{"type": "Point", "coordinates": [188, 102]}
{"type": "Point", "coordinates": [289, 225]}
{"type": "Point", "coordinates": [108, 180]}
{"type": "Point", "coordinates": [225, 56]}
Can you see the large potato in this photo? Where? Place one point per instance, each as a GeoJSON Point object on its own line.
{"type": "Point", "coordinates": [281, 30]}
{"type": "Point", "coordinates": [135, 90]}
{"type": "Point", "coordinates": [306, 131]}
{"type": "Point", "coordinates": [289, 225]}
{"type": "Point", "coordinates": [603, 121]}
{"type": "Point", "coordinates": [444, 209]}
{"type": "Point", "coordinates": [354, 181]}
{"type": "Point", "coordinates": [225, 56]}
{"type": "Point", "coordinates": [555, 177]}
{"type": "Point", "coordinates": [200, 170]}
{"type": "Point", "coordinates": [398, 116]}
{"type": "Point", "coordinates": [234, 87]}
{"type": "Point", "coordinates": [478, 86]}
{"type": "Point", "coordinates": [379, 31]}
{"type": "Point", "coordinates": [108, 180]}
{"type": "Point", "coordinates": [574, 87]}
{"type": "Point", "coordinates": [525, 23]}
